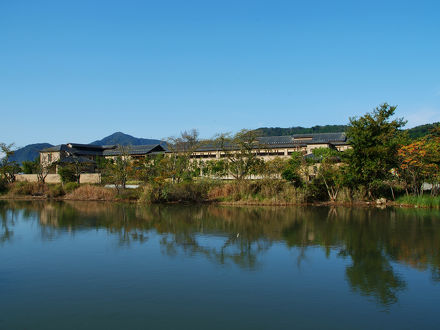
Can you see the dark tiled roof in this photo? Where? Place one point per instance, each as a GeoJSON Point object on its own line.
{"type": "Point", "coordinates": [287, 141]}
{"type": "Point", "coordinates": [80, 146]}
{"type": "Point", "coordinates": [60, 147]}
{"type": "Point", "coordinates": [135, 150]}
{"type": "Point", "coordinates": [75, 159]}
{"type": "Point", "coordinates": [321, 137]}
{"type": "Point", "coordinates": [78, 150]}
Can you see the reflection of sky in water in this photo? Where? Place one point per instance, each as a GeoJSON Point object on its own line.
{"type": "Point", "coordinates": [164, 271]}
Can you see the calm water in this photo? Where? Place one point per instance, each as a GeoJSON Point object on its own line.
{"type": "Point", "coordinates": [96, 265]}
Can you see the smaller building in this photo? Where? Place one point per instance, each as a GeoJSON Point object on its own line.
{"type": "Point", "coordinates": [87, 154]}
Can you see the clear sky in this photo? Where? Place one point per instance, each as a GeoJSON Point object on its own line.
{"type": "Point", "coordinates": [76, 71]}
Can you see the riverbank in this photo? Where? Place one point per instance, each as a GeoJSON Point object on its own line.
{"type": "Point", "coordinates": [243, 194]}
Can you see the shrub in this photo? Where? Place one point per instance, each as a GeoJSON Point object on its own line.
{"type": "Point", "coordinates": [195, 191]}
{"type": "Point", "coordinates": [3, 186]}
{"type": "Point", "coordinates": [25, 188]}
{"type": "Point", "coordinates": [67, 174]}
{"type": "Point", "coordinates": [129, 194]}
{"type": "Point", "coordinates": [55, 190]}
{"type": "Point", "coordinates": [89, 192]}
{"type": "Point", "coordinates": [316, 190]}
{"type": "Point", "coordinates": [70, 186]}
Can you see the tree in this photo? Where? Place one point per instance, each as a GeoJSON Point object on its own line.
{"type": "Point", "coordinates": [296, 169]}
{"type": "Point", "coordinates": [215, 167]}
{"type": "Point", "coordinates": [8, 168]}
{"type": "Point", "coordinates": [181, 167]}
{"type": "Point", "coordinates": [30, 166]}
{"type": "Point", "coordinates": [329, 171]}
{"type": "Point", "coordinates": [375, 140]}
{"type": "Point", "coordinates": [273, 168]}
{"type": "Point", "coordinates": [119, 170]}
{"type": "Point", "coordinates": [420, 163]}
{"type": "Point", "coordinates": [241, 152]}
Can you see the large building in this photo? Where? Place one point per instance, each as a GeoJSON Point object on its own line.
{"type": "Point", "coordinates": [279, 146]}
{"type": "Point", "coordinates": [265, 147]}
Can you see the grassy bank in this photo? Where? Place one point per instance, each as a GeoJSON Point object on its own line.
{"type": "Point", "coordinates": [419, 201]}
{"type": "Point", "coordinates": [258, 192]}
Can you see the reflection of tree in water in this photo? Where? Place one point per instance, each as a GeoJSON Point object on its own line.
{"type": "Point", "coordinates": [7, 221]}
{"type": "Point", "coordinates": [372, 239]}
{"type": "Point", "coordinates": [192, 230]}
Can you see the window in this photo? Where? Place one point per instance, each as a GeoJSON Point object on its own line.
{"type": "Point", "coordinates": [49, 157]}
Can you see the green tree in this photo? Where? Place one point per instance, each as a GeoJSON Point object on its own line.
{"type": "Point", "coordinates": [8, 167]}
{"type": "Point", "coordinates": [119, 169]}
{"type": "Point", "coordinates": [241, 151]}
{"type": "Point", "coordinates": [181, 166]}
{"type": "Point", "coordinates": [329, 171]}
{"type": "Point", "coordinates": [295, 169]}
{"type": "Point", "coordinates": [30, 166]}
{"type": "Point", "coordinates": [375, 139]}
{"type": "Point", "coordinates": [67, 173]}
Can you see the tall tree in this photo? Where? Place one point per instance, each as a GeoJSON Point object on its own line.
{"type": "Point", "coordinates": [241, 151]}
{"type": "Point", "coordinates": [119, 170]}
{"type": "Point", "coordinates": [181, 166]}
{"type": "Point", "coordinates": [420, 163]}
{"type": "Point", "coordinates": [375, 139]}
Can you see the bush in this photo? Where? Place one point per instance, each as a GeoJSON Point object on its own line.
{"type": "Point", "coordinates": [55, 190]}
{"type": "Point", "coordinates": [70, 186]}
{"type": "Point", "coordinates": [278, 191]}
{"type": "Point", "coordinates": [67, 174]}
{"type": "Point", "coordinates": [129, 194]}
{"type": "Point", "coordinates": [94, 193]}
{"type": "Point", "coordinates": [160, 192]}
{"type": "Point", "coordinates": [25, 188]}
{"type": "Point", "coordinates": [316, 190]}
{"type": "Point", "coordinates": [3, 186]}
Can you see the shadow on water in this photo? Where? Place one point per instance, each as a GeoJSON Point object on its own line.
{"type": "Point", "coordinates": [371, 239]}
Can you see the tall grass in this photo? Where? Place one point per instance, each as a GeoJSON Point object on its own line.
{"type": "Point", "coordinates": [421, 201]}
{"type": "Point", "coordinates": [92, 193]}
{"type": "Point", "coordinates": [262, 191]}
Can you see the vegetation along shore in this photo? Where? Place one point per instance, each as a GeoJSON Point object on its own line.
{"type": "Point", "coordinates": [383, 165]}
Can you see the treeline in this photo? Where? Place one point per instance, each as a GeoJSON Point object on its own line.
{"type": "Point", "coordinates": [413, 133]}
{"type": "Point", "coordinates": [278, 131]}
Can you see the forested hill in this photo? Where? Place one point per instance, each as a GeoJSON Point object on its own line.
{"type": "Point", "coordinates": [278, 131]}
{"type": "Point", "coordinates": [414, 133]}
{"type": "Point", "coordinates": [125, 140]}
{"type": "Point", "coordinates": [29, 152]}
{"type": "Point", "coordinates": [421, 130]}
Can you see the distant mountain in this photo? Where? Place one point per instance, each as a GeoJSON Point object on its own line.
{"type": "Point", "coordinates": [30, 152]}
{"type": "Point", "coordinates": [125, 139]}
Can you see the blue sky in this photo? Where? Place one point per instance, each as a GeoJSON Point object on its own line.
{"type": "Point", "coordinates": [76, 71]}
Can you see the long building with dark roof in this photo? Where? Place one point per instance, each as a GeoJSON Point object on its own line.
{"type": "Point", "coordinates": [265, 147]}
{"type": "Point", "coordinates": [281, 146]}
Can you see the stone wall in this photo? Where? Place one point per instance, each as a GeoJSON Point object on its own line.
{"type": "Point", "coordinates": [90, 178]}
{"type": "Point", "coordinates": [55, 178]}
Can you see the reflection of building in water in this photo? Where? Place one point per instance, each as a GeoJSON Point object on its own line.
{"type": "Point", "coordinates": [49, 215]}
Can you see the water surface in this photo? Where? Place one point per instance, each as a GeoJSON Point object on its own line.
{"type": "Point", "coordinates": [97, 265]}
